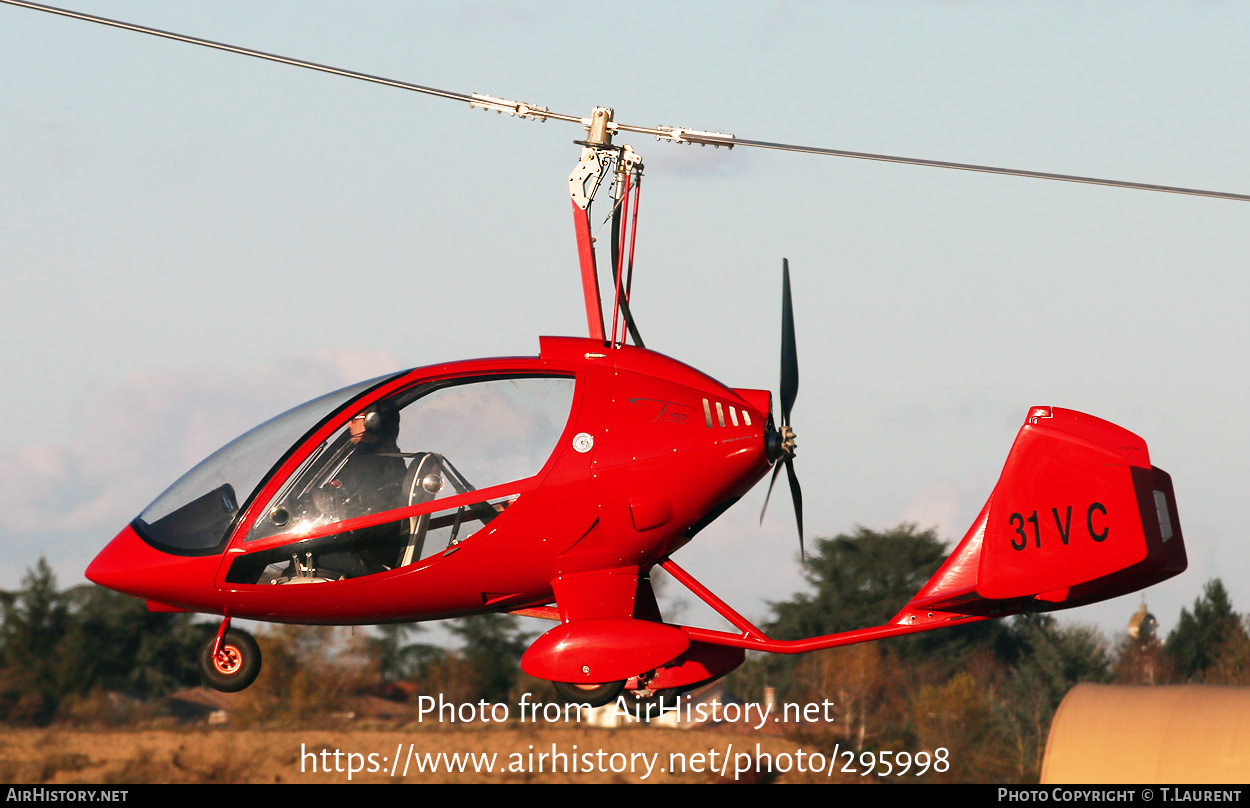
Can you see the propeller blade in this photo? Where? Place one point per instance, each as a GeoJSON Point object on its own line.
{"type": "Point", "coordinates": [768, 496]}
{"type": "Point", "coordinates": [796, 495]}
{"type": "Point", "coordinates": [790, 389]}
{"type": "Point", "coordinates": [789, 354]}
{"type": "Point", "coordinates": [789, 392]}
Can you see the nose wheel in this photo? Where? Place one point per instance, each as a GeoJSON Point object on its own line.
{"type": "Point", "coordinates": [232, 666]}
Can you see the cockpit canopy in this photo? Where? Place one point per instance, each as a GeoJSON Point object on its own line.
{"type": "Point", "coordinates": [193, 516]}
{"type": "Point", "coordinates": [427, 440]}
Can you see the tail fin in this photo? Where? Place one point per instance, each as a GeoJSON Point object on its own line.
{"type": "Point", "coordinates": [1079, 515]}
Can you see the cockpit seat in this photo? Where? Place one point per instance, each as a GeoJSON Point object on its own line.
{"type": "Point", "coordinates": [421, 484]}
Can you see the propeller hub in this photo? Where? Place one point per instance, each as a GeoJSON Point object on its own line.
{"type": "Point", "coordinates": [779, 444]}
{"type": "Point", "coordinates": [788, 444]}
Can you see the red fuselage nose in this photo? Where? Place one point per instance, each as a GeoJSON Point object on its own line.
{"type": "Point", "coordinates": [130, 565]}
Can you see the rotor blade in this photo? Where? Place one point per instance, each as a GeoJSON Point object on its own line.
{"type": "Point", "coordinates": [796, 495]}
{"type": "Point", "coordinates": [789, 355]}
{"type": "Point", "coordinates": [1014, 172]}
{"type": "Point", "coordinates": [671, 134]}
{"type": "Point", "coordinates": [485, 102]}
{"type": "Point", "coordinates": [717, 139]}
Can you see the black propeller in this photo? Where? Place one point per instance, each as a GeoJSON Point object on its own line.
{"type": "Point", "coordinates": [780, 442]}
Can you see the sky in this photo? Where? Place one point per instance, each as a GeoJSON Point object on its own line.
{"type": "Point", "coordinates": [193, 241]}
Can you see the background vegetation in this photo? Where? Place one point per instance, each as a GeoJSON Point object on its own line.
{"type": "Point", "coordinates": [986, 691]}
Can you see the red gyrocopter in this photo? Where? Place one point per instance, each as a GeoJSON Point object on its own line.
{"type": "Point", "coordinates": [551, 486]}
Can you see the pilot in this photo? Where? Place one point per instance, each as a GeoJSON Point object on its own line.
{"type": "Point", "coordinates": [371, 481]}
{"type": "Point", "coordinates": [373, 475]}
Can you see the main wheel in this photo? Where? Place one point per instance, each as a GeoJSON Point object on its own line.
{"type": "Point", "coordinates": [235, 666]}
{"type": "Point", "coordinates": [590, 695]}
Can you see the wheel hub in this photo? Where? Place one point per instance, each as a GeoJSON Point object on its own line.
{"type": "Point", "coordinates": [228, 660]}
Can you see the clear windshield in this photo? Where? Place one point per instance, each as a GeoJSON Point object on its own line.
{"type": "Point", "coordinates": [433, 440]}
{"type": "Point", "coordinates": [478, 432]}
{"type": "Point", "coordinates": [194, 513]}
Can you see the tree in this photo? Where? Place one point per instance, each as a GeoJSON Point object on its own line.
{"type": "Point", "coordinates": [492, 650]}
{"type": "Point", "coordinates": [863, 580]}
{"type": "Point", "coordinates": [1200, 637]}
{"type": "Point", "coordinates": [859, 580]}
{"type": "Point", "coordinates": [114, 642]}
{"type": "Point", "coordinates": [310, 672]}
{"type": "Point", "coordinates": [956, 716]}
{"type": "Point", "coordinates": [864, 689]}
{"type": "Point", "coordinates": [35, 622]}
{"type": "Point", "coordinates": [396, 659]}
{"type": "Point", "coordinates": [986, 691]}
{"type": "Point", "coordinates": [1232, 661]}
{"type": "Point", "coordinates": [55, 645]}
{"type": "Point", "coordinates": [1052, 660]}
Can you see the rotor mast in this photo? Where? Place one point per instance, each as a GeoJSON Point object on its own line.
{"type": "Point", "coordinates": [600, 157]}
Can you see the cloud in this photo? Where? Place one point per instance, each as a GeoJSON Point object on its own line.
{"type": "Point", "coordinates": [136, 436]}
{"type": "Point", "coordinates": [950, 507]}
{"type": "Point", "coordinates": [687, 161]}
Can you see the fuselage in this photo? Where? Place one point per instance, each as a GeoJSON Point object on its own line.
{"type": "Point", "coordinates": [503, 475]}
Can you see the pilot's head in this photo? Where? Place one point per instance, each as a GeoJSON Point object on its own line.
{"type": "Point", "coordinates": [378, 423]}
